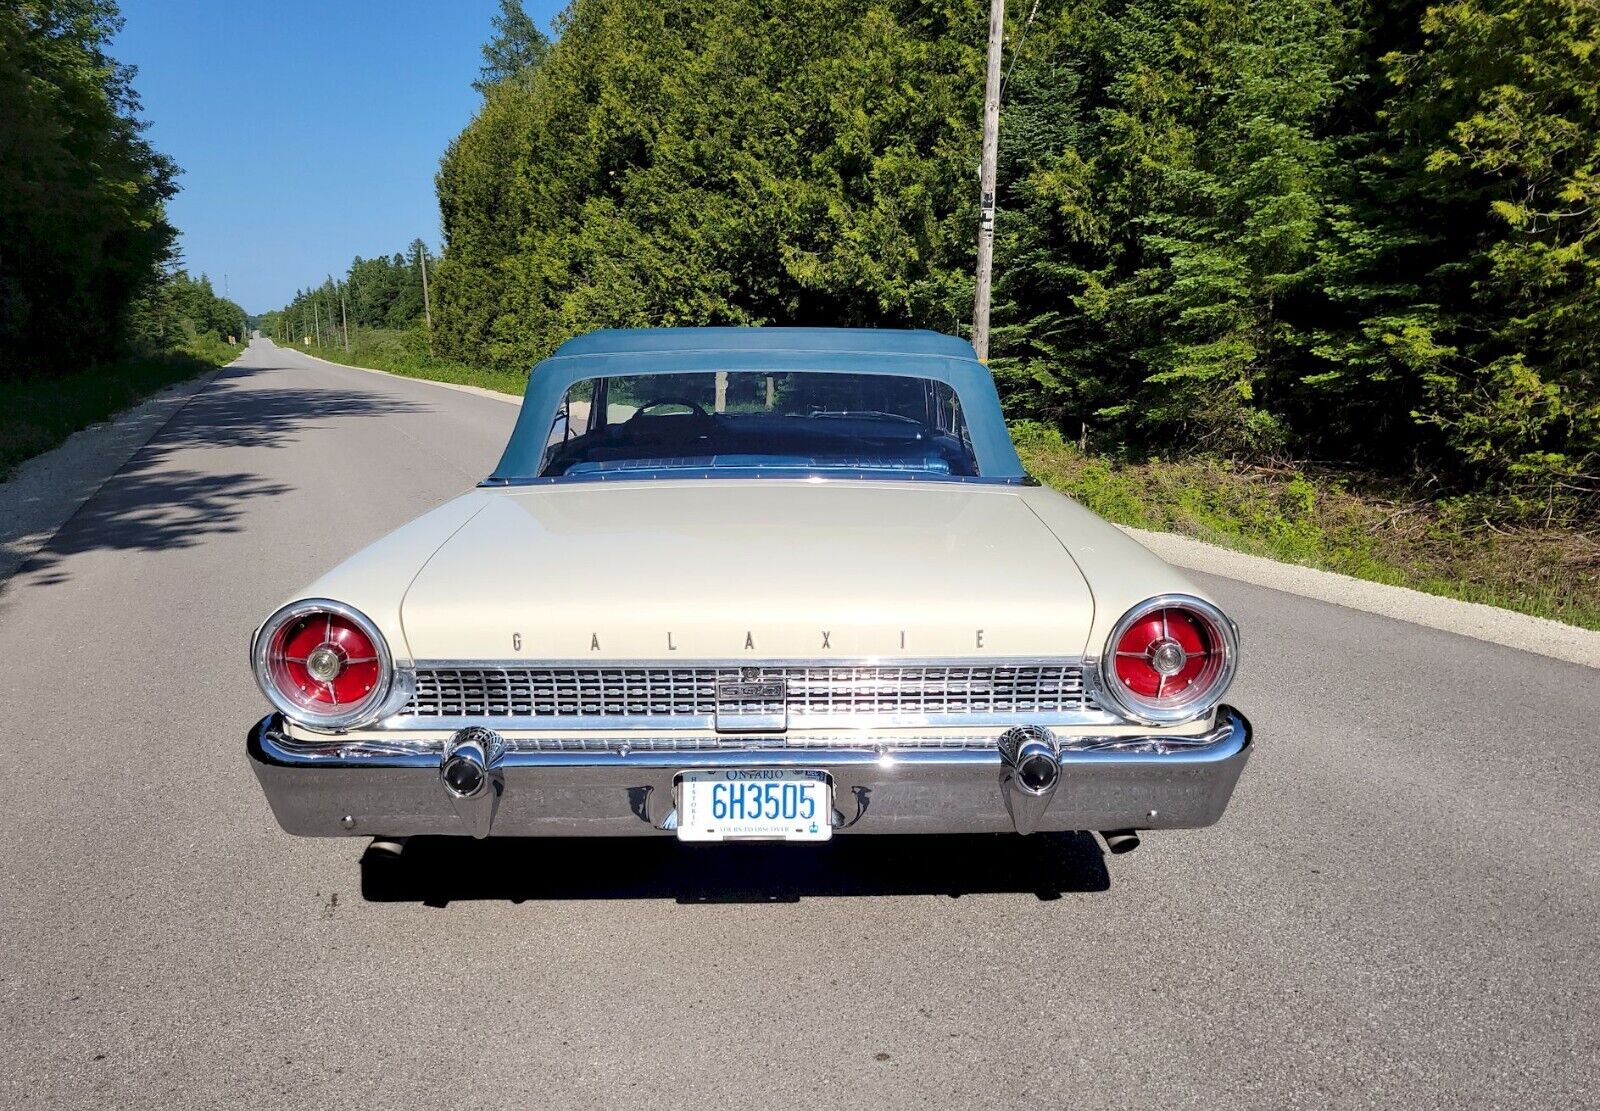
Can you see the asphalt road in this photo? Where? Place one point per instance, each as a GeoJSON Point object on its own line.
{"type": "Point", "coordinates": [1399, 910]}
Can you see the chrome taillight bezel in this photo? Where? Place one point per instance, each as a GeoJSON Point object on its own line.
{"type": "Point", "coordinates": [1195, 702]}
{"type": "Point", "coordinates": [370, 709]}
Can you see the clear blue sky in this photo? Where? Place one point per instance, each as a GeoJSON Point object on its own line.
{"type": "Point", "coordinates": [308, 132]}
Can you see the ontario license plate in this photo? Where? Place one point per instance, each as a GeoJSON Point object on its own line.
{"type": "Point", "coordinates": [767, 804]}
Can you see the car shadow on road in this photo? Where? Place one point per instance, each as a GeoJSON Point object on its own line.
{"type": "Point", "coordinates": [153, 504]}
{"type": "Point", "coordinates": [437, 871]}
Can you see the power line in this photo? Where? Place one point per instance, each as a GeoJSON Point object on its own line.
{"type": "Point", "coordinates": [1016, 51]}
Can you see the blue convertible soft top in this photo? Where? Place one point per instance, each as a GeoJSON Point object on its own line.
{"type": "Point", "coordinates": [633, 351]}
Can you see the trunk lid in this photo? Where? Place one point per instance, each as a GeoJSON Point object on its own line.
{"type": "Point", "coordinates": [693, 570]}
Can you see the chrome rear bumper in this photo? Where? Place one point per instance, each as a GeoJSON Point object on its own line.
{"type": "Point", "coordinates": [366, 789]}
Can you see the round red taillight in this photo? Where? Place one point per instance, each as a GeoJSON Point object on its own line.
{"type": "Point", "coordinates": [322, 663]}
{"type": "Point", "coordinates": [1163, 653]}
{"type": "Point", "coordinates": [1170, 658]}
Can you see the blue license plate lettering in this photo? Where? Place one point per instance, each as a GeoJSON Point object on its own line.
{"type": "Point", "coordinates": [779, 804]}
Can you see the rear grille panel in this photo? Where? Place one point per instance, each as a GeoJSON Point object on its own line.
{"type": "Point", "coordinates": [564, 692]}
{"type": "Point", "coordinates": [816, 694]}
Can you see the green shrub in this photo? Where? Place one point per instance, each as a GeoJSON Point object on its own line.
{"type": "Point", "coordinates": [1387, 535]}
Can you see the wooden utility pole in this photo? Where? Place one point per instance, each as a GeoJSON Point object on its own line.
{"type": "Point", "coordinates": [427, 305]}
{"type": "Point", "coordinates": [986, 176]}
{"type": "Point", "coordinates": [316, 322]}
{"type": "Point", "coordinates": [344, 319]}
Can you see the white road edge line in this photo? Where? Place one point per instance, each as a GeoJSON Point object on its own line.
{"type": "Point", "coordinates": [1471, 619]}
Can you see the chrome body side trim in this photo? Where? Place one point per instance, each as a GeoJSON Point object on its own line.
{"type": "Point", "coordinates": [374, 786]}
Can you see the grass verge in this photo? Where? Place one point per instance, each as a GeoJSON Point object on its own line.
{"type": "Point", "coordinates": [1336, 523]}
{"type": "Point", "coordinates": [39, 413]}
{"type": "Point", "coordinates": [405, 353]}
{"type": "Point", "coordinates": [1317, 520]}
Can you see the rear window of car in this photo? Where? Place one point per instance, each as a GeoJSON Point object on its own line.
{"type": "Point", "coordinates": [754, 421]}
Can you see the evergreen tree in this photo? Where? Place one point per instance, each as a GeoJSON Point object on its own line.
{"type": "Point", "coordinates": [716, 163]}
{"type": "Point", "coordinates": [516, 48]}
{"type": "Point", "coordinates": [1505, 99]}
{"type": "Point", "coordinates": [1168, 183]}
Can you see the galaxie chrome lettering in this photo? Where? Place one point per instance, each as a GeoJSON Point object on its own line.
{"type": "Point", "coordinates": [749, 640]}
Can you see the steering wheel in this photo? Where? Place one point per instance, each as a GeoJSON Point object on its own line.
{"type": "Point", "coordinates": [693, 406]}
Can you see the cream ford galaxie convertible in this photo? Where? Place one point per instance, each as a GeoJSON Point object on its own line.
{"type": "Point", "coordinates": [734, 583]}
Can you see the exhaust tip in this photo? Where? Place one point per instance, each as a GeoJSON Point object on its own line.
{"type": "Point", "coordinates": [389, 847]}
{"type": "Point", "coordinates": [1119, 841]}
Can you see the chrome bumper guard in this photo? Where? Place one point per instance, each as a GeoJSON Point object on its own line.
{"type": "Point", "coordinates": [477, 784]}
